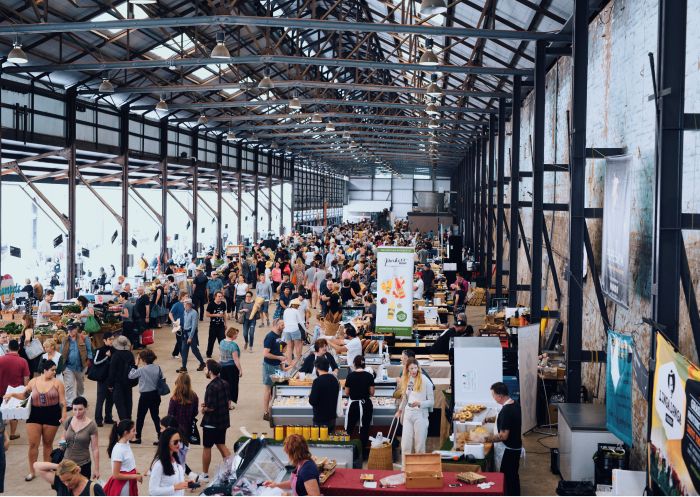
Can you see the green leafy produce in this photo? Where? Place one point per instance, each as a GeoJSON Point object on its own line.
{"type": "Point", "coordinates": [44, 330]}
{"type": "Point", "coordinates": [71, 309]}
{"type": "Point", "coordinates": [13, 328]}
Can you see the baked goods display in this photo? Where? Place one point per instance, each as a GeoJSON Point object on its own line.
{"type": "Point", "coordinates": [370, 346]}
{"type": "Point", "coordinates": [464, 416]}
{"type": "Point", "coordinates": [470, 477]}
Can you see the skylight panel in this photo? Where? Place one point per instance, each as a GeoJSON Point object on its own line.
{"type": "Point", "coordinates": [202, 74]}
{"type": "Point", "coordinates": [139, 13]}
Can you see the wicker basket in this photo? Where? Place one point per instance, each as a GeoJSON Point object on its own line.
{"type": "Point", "coordinates": [381, 457]}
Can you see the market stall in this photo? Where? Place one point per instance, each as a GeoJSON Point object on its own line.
{"type": "Point", "coordinates": [346, 454]}
{"type": "Point", "coordinates": [348, 482]}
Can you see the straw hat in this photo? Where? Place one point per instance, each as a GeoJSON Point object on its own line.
{"type": "Point", "coordinates": [121, 343]}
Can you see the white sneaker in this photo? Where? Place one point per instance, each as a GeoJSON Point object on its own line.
{"type": "Point", "coordinates": [203, 477]}
{"type": "Point", "coordinates": [194, 476]}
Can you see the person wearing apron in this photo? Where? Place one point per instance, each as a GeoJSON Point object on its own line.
{"type": "Point", "coordinates": [305, 479]}
{"type": "Point", "coordinates": [359, 387]}
{"type": "Point", "coordinates": [508, 444]}
{"type": "Point", "coordinates": [417, 399]}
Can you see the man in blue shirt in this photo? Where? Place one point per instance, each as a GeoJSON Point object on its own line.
{"type": "Point", "coordinates": [190, 338]}
{"type": "Point", "coordinates": [77, 356]}
{"type": "Point", "coordinates": [177, 314]}
{"type": "Point", "coordinates": [214, 285]}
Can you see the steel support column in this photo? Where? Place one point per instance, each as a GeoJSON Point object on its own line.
{"type": "Point", "coordinates": [195, 192]}
{"type": "Point", "coordinates": [465, 167]}
{"type": "Point", "coordinates": [163, 157]}
{"type": "Point", "coordinates": [577, 196]}
{"type": "Point", "coordinates": [500, 214]}
{"type": "Point", "coordinates": [292, 175]}
{"type": "Point", "coordinates": [219, 194]}
{"type": "Point", "coordinates": [70, 125]}
{"type": "Point", "coordinates": [124, 151]}
{"type": "Point", "coordinates": [484, 212]}
{"type": "Point", "coordinates": [239, 169]}
{"type": "Point", "coordinates": [668, 237]}
{"type": "Point", "coordinates": [538, 183]}
{"type": "Point", "coordinates": [514, 195]}
{"type": "Point", "coordinates": [270, 160]}
{"type": "Point", "coordinates": [476, 199]}
{"type": "Point", "coordinates": [283, 163]}
{"type": "Point", "coordinates": [256, 167]}
{"type": "Point", "coordinates": [490, 209]}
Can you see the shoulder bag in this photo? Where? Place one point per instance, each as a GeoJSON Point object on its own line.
{"type": "Point", "coordinates": [34, 349]}
{"type": "Point", "coordinates": [163, 388]}
{"type": "Point", "coordinates": [194, 437]}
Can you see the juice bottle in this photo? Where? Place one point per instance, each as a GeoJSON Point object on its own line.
{"type": "Point", "coordinates": [323, 433]}
{"type": "Point", "coordinates": [279, 433]}
{"type": "Point", "coordinates": [314, 433]}
{"type": "Point", "coordinates": [306, 432]}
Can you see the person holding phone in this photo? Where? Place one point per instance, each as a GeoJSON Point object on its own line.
{"type": "Point", "coordinates": [167, 472]}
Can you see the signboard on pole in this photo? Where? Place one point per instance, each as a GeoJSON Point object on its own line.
{"type": "Point", "coordinates": [674, 441]}
{"type": "Point", "coordinates": [395, 290]}
{"type": "Point", "coordinates": [618, 397]}
{"type": "Point", "coordinates": [616, 229]}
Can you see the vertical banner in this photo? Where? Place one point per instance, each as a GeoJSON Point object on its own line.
{"type": "Point", "coordinates": [395, 290]}
{"type": "Point", "coordinates": [674, 443]}
{"type": "Point", "coordinates": [618, 396]}
{"type": "Point", "coordinates": [528, 348]}
{"type": "Point", "coordinates": [616, 229]}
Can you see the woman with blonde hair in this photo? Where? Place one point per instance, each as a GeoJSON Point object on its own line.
{"type": "Point", "coordinates": [66, 479]}
{"type": "Point", "coordinates": [183, 403]}
{"type": "Point", "coordinates": [52, 354]}
{"type": "Point", "coordinates": [417, 400]}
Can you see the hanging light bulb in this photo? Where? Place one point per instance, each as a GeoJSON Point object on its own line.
{"type": "Point", "coordinates": [433, 124]}
{"type": "Point", "coordinates": [316, 118]}
{"type": "Point", "coordinates": [220, 51]}
{"type": "Point", "coordinates": [202, 119]}
{"type": "Point", "coordinates": [346, 135]}
{"type": "Point", "coordinates": [106, 86]}
{"type": "Point", "coordinates": [266, 83]}
{"type": "Point", "coordinates": [17, 55]}
{"type": "Point", "coordinates": [230, 136]}
{"type": "Point", "coordinates": [162, 105]}
{"type": "Point", "coordinates": [432, 7]}
{"type": "Point", "coordinates": [171, 64]}
{"type": "Point", "coordinates": [330, 126]}
{"type": "Point", "coordinates": [295, 104]}
{"type": "Point", "coordinates": [433, 90]}
{"type": "Point", "coordinates": [432, 109]}
{"type": "Point", "coordinates": [429, 58]}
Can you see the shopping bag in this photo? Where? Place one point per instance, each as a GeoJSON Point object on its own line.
{"type": "Point", "coordinates": [163, 388]}
{"type": "Point", "coordinates": [14, 408]}
{"type": "Point", "coordinates": [91, 325]}
{"type": "Point", "coordinates": [148, 337]}
{"type": "Point", "coordinates": [382, 457]}
{"type": "Point", "coordinates": [34, 349]}
{"type": "Point", "coordinates": [194, 433]}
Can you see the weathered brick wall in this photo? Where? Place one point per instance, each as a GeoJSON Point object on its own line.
{"type": "Point", "coordinates": [619, 115]}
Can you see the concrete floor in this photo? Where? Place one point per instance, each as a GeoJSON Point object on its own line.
{"type": "Point", "coordinates": [535, 475]}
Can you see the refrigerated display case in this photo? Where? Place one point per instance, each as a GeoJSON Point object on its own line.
{"type": "Point", "coordinates": [290, 406]}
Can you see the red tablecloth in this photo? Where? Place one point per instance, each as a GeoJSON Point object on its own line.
{"type": "Point", "coordinates": [347, 482]}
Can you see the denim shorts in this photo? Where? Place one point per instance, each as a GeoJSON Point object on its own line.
{"type": "Point", "coordinates": [288, 336]}
{"type": "Point", "coordinates": [265, 306]}
{"type": "Point", "coordinates": [267, 371]}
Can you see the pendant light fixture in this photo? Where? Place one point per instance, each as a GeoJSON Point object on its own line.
{"type": "Point", "coordinates": [432, 109]}
{"type": "Point", "coordinates": [17, 55]}
{"type": "Point", "coordinates": [295, 104]}
{"type": "Point", "coordinates": [433, 124]}
{"type": "Point", "coordinates": [433, 90]}
{"type": "Point", "coordinates": [316, 118]}
{"type": "Point", "coordinates": [432, 7]}
{"type": "Point", "coordinates": [346, 135]}
{"type": "Point", "coordinates": [429, 58]}
{"type": "Point", "coordinates": [106, 86]}
{"type": "Point", "coordinates": [220, 51]}
{"type": "Point", "coordinates": [266, 83]}
{"type": "Point", "coordinates": [330, 126]}
{"type": "Point", "coordinates": [230, 136]}
{"type": "Point", "coordinates": [162, 105]}
{"type": "Point", "coordinates": [203, 119]}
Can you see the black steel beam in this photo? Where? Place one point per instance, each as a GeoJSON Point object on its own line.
{"type": "Point", "coordinates": [577, 196]}
{"type": "Point", "coordinates": [70, 136]}
{"type": "Point", "coordinates": [538, 182]}
{"type": "Point", "coordinates": [195, 191]}
{"type": "Point", "coordinates": [601, 153]}
{"type": "Point", "coordinates": [490, 210]}
{"type": "Point", "coordinates": [256, 167]}
{"type": "Point", "coordinates": [514, 195]}
{"type": "Point", "coordinates": [239, 167]}
{"type": "Point", "coordinates": [668, 237]}
{"type": "Point", "coordinates": [220, 196]}
{"type": "Point", "coordinates": [690, 298]}
{"type": "Point", "coordinates": [526, 248]}
{"type": "Point", "coordinates": [596, 281]}
{"type": "Point", "coordinates": [691, 122]}
{"type": "Point", "coordinates": [269, 192]}
{"type": "Point", "coordinates": [500, 214]}
{"type": "Point", "coordinates": [483, 213]}
{"type": "Point", "coordinates": [550, 257]}
{"type": "Point", "coordinates": [690, 221]}
{"type": "Point", "coordinates": [124, 147]}
{"type": "Point", "coordinates": [163, 157]}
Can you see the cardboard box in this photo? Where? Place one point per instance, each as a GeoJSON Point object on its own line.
{"type": "Point", "coordinates": [423, 471]}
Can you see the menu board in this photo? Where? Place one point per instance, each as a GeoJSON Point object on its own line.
{"type": "Point", "coordinates": [395, 290]}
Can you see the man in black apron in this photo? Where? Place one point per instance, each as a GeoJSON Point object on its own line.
{"type": "Point", "coordinates": [507, 441]}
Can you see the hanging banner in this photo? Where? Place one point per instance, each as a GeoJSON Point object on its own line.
{"type": "Point", "coordinates": [618, 397]}
{"type": "Point", "coordinates": [674, 443]}
{"type": "Point", "coordinates": [616, 229]}
{"type": "Point", "coordinates": [395, 290]}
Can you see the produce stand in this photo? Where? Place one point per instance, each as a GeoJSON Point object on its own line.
{"type": "Point", "coordinates": [347, 482]}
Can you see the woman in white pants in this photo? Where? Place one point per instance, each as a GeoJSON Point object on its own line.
{"type": "Point", "coordinates": [417, 400]}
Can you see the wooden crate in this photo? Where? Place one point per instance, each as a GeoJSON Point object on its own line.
{"type": "Point", "coordinates": [423, 471]}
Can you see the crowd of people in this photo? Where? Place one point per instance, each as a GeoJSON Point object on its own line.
{"type": "Point", "coordinates": [282, 285]}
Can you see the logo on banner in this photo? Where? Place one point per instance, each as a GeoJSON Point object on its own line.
{"type": "Point", "coordinates": [396, 261]}
{"type": "Point", "coordinates": [670, 402]}
{"type": "Point", "coordinates": [8, 289]}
